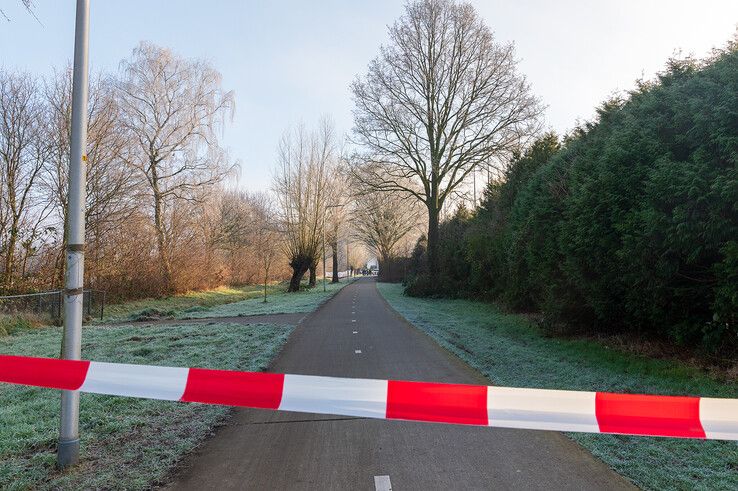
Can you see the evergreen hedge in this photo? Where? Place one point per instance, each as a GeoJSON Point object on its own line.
{"type": "Point", "coordinates": [629, 224]}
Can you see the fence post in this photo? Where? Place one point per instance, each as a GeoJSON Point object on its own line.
{"type": "Point", "coordinates": [102, 306]}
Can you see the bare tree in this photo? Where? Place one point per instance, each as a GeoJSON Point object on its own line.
{"type": "Point", "coordinates": [238, 230]}
{"type": "Point", "coordinates": [153, 165]}
{"type": "Point", "coordinates": [301, 186]}
{"type": "Point", "coordinates": [22, 159]}
{"type": "Point", "coordinates": [111, 187]}
{"type": "Point", "coordinates": [266, 237]}
{"type": "Point", "coordinates": [172, 108]}
{"type": "Point", "coordinates": [382, 220]}
{"type": "Point", "coordinates": [232, 226]}
{"type": "Point", "coordinates": [441, 100]}
{"type": "Point", "coordinates": [29, 6]}
{"type": "Point", "coordinates": [337, 210]}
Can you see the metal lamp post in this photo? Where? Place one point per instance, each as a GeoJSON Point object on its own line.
{"type": "Point", "coordinates": [68, 451]}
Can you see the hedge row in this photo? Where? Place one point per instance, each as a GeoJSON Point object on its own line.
{"type": "Point", "coordinates": [628, 224]}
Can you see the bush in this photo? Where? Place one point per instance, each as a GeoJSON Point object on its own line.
{"type": "Point", "coordinates": [454, 266]}
{"type": "Point", "coordinates": [420, 286]}
{"type": "Point", "coordinates": [394, 269]}
{"type": "Point", "coordinates": [629, 226]}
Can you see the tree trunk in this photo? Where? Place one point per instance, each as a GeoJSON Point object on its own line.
{"type": "Point", "coordinates": [61, 262]}
{"type": "Point", "coordinates": [385, 268]}
{"type": "Point", "coordinates": [334, 250]}
{"type": "Point", "coordinates": [313, 279]}
{"type": "Point", "coordinates": [432, 254]}
{"type": "Point", "coordinates": [12, 234]}
{"type": "Point", "coordinates": [10, 257]}
{"type": "Point", "coordinates": [299, 265]}
{"type": "Point", "coordinates": [161, 238]}
{"type": "Point", "coordinates": [297, 274]}
{"type": "Point", "coordinates": [266, 279]}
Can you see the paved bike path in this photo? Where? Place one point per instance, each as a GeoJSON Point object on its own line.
{"type": "Point", "coordinates": [357, 334]}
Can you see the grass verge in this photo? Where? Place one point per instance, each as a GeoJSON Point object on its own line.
{"type": "Point", "coordinates": [280, 302]}
{"type": "Point", "coordinates": [510, 351]}
{"type": "Point", "coordinates": [178, 305]}
{"type": "Point", "coordinates": [127, 443]}
{"type": "Point", "coordinates": [222, 302]}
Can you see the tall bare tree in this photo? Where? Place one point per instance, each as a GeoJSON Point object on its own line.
{"type": "Point", "coordinates": [173, 108]}
{"type": "Point", "coordinates": [441, 100]}
{"type": "Point", "coordinates": [22, 159]}
{"type": "Point", "coordinates": [301, 186]}
{"type": "Point", "coordinates": [111, 187]}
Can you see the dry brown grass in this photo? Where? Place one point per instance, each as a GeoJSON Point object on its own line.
{"type": "Point", "coordinates": [21, 321]}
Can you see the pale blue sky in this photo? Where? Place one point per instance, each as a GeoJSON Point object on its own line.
{"type": "Point", "coordinates": [292, 61]}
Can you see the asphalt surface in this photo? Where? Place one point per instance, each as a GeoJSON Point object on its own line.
{"type": "Point", "coordinates": [261, 449]}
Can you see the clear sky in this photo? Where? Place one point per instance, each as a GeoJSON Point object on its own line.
{"type": "Point", "coordinates": [292, 61]}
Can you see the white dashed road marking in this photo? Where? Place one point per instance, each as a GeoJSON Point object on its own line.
{"type": "Point", "coordinates": [382, 483]}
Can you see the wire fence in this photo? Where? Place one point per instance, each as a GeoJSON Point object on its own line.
{"type": "Point", "coordinates": [51, 304]}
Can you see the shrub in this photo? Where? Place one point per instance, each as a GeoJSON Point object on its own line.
{"type": "Point", "coordinates": [629, 226]}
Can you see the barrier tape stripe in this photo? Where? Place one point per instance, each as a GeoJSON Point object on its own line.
{"type": "Point", "coordinates": [541, 409]}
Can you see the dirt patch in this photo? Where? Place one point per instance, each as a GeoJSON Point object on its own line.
{"type": "Point", "coordinates": [153, 315]}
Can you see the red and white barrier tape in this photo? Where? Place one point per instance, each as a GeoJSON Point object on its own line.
{"type": "Point", "coordinates": [560, 410]}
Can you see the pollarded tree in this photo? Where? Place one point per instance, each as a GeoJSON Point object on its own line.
{"type": "Point", "coordinates": [173, 108]}
{"type": "Point", "coordinates": [440, 101]}
{"type": "Point", "coordinates": [301, 186]}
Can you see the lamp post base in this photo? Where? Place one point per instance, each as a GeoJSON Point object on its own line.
{"type": "Point", "coordinates": [68, 453]}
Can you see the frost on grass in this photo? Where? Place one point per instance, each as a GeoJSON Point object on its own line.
{"type": "Point", "coordinates": [511, 352]}
{"type": "Point", "coordinates": [279, 302]}
{"type": "Point", "coordinates": [185, 302]}
{"type": "Point", "coordinates": [127, 443]}
{"type": "Point", "coordinates": [221, 302]}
